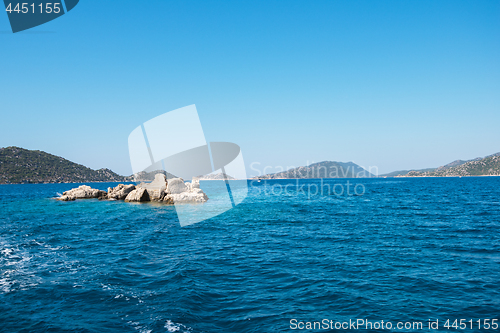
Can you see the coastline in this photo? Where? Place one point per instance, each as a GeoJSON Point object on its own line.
{"type": "Point", "coordinates": [256, 179]}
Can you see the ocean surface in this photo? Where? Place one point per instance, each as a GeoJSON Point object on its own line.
{"type": "Point", "coordinates": [402, 250]}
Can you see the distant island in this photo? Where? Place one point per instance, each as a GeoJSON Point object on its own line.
{"type": "Point", "coordinates": [144, 176]}
{"type": "Point", "coordinates": [215, 176]}
{"type": "Point", "coordinates": [23, 166]}
{"type": "Point", "coordinates": [325, 169]}
{"type": "Point", "coordinates": [481, 166]}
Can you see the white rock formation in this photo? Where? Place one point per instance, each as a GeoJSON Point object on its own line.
{"type": "Point", "coordinates": [173, 191]}
{"type": "Point", "coordinates": [120, 192]}
{"type": "Point", "coordinates": [194, 196]}
{"type": "Point", "coordinates": [180, 192]}
{"type": "Point", "coordinates": [176, 186]}
{"type": "Point", "coordinates": [156, 187]}
{"type": "Point", "coordinates": [82, 192]}
{"type": "Point", "coordinates": [195, 183]}
{"type": "Point", "coordinates": [138, 195]}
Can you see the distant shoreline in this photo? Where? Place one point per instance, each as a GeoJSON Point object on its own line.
{"type": "Point", "coordinates": [93, 182]}
{"type": "Point", "coordinates": [441, 176]}
{"type": "Point", "coordinates": [264, 179]}
{"type": "Point", "coordinates": [20, 166]}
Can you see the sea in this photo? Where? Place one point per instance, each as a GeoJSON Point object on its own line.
{"type": "Point", "coordinates": [420, 254]}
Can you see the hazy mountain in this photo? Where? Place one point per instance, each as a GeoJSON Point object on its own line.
{"type": "Point", "coordinates": [145, 176]}
{"type": "Point", "coordinates": [20, 166]}
{"type": "Point", "coordinates": [326, 169]}
{"type": "Point", "coordinates": [216, 176]}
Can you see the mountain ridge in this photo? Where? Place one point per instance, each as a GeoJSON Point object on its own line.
{"type": "Point", "coordinates": [23, 166]}
{"type": "Point", "coordinates": [480, 166]}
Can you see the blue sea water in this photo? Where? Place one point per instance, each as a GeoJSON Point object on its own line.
{"type": "Point", "coordinates": [405, 250]}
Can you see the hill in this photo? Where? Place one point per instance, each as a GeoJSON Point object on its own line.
{"type": "Point", "coordinates": [452, 164]}
{"type": "Point", "coordinates": [405, 172]}
{"type": "Point", "coordinates": [23, 166]}
{"type": "Point", "coordinates": [487, 166]}
{"type": "Point", "coordinates": [437, 172]}
{"type": "Point", "coordinates": [325, 169]}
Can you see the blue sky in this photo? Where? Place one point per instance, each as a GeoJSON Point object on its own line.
{"type": "Point", "coordinates": [392, 84]}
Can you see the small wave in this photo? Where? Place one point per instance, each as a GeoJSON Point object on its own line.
{"type": "Point", "coordinates": [173, 327]}
{"type": "Point", "coordinates": [7, 251]}
{"type": "Point", "coordinates": [19, 277]}
{"type": "Point", "coordinates": [138, 327]}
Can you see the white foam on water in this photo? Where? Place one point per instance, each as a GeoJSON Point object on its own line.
{"type": "Point", "coordinates": [138, 327]}
{"type": "Point", "coordinates": [173, 327]}
{"type": "Point", "coordinates": [15, 264]}
{"type": "Point", "coordinates": [105, 286]}
{"type": "Point", "coordinates": [6, 251]}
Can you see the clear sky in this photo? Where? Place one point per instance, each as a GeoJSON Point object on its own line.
{"type": "Point", "coordinates": [392, 84]}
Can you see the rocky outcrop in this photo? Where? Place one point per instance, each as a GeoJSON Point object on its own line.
{"type": "Point", "coordinates": [195, 184]}
{"type": "Point", "coordinates": [82, 192]}
{"type": "Point", "coordinates": [196, 195]}
{"type": "Point", "coordinates": [156, 188]}
{"type": "Point", "coordinates": [138, 195]}
{"type": "Point", "coordinates": [170, 191]}
{"type": "Point", "coordinates": [176, 186]}
{"type": "Point", "coordinates": [120, 192]}
{"type": "Point", "coordinates": [179, 191]}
